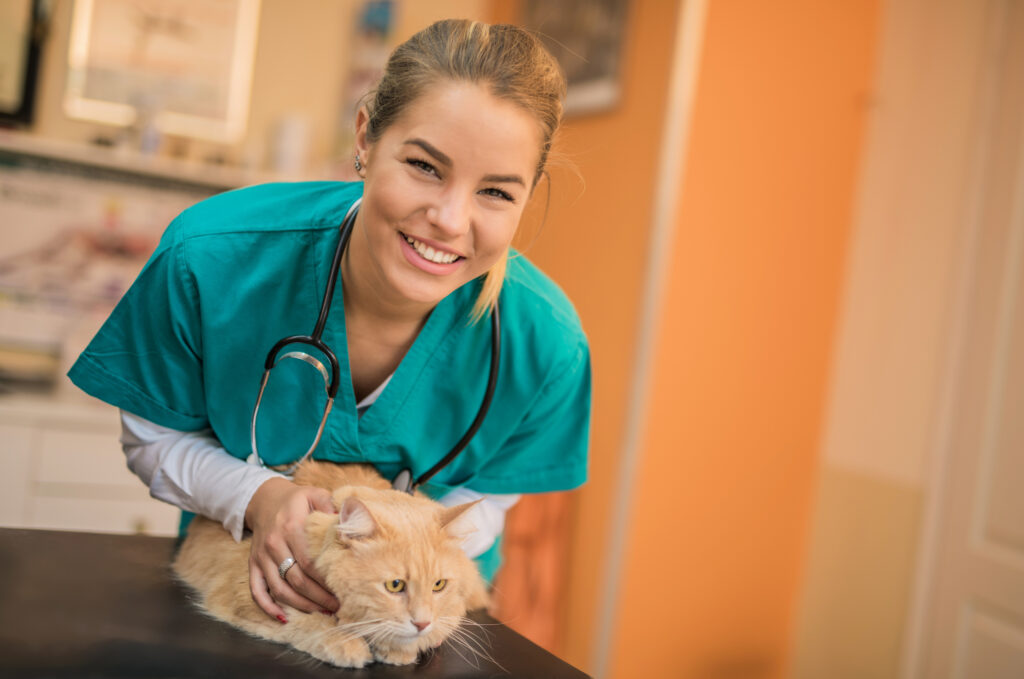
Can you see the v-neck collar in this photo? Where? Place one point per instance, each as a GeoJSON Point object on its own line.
{"type": "Point", "coordinates": [372, 397]}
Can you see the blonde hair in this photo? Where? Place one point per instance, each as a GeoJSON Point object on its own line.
{"type": "Point", "coordinates": [511, 62]}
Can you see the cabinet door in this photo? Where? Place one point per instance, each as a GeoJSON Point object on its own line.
{"type": "Point", "coordinates": [16, 443]}
{"type": "Point", "coordinates": [82, 483]}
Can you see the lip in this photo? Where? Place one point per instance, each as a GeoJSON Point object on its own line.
{"type": "Point", "coordinates": [426, 265]}
{"type": "Point", "coordinates": [433, 244]}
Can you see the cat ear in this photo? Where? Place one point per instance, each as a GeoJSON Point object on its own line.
{"type": "Point", "coordinates": [355, 521]}
{"type": "Point", "coordinates": [456, 520]}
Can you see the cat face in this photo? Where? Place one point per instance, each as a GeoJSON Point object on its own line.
{"type": "Point", "coordinates": [396, 567]}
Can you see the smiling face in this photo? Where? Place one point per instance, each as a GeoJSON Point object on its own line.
{"type": "Point", "coordinates": [445, 186]}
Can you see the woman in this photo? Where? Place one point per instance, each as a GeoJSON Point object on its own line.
{"type": "Point", "coordinates": [450, 149]}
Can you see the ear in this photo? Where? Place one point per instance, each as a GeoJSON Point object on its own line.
{"type": "Point", "coordinates": [362, 145]}
{"type": "Point", "coordinates": [355, 521]}
{"type": "Point", "coordinates": [456, 520]}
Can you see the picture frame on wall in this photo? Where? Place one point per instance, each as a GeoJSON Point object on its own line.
{"type": "Point", "coordinates": [586, 37]}
{"type": "Point", "coordinates": [22, 32]}
{"type": "Point", "coordinates": [184, 66]}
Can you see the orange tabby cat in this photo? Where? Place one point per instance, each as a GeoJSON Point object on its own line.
{"type": "Point", "coordinates": [391, 559]}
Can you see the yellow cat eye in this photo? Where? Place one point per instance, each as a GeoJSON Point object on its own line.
{"type": "Point", "coordinates": [439, 585]}
{"type": "Point", "coordinates": [395, 586]}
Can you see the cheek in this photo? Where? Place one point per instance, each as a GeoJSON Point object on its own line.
{"type": "Point", "coordinates": [382, 203]}
{"type": "Point", "coordinates": [449, 602]}
{"type": "Point", "coordinates": [393, 606]}
{"type": "Point", "coordinates": [495, 233]}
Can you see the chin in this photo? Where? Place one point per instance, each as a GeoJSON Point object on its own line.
{"type": "Point", "coordinates": [419, 291]}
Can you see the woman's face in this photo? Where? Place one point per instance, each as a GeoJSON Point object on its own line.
{"type": "Point", "coordinates": [445, 186]}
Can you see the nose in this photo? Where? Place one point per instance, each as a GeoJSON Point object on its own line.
{"type": "Point", "coordinates": [451, 212]}
{"type": "Point", "coordinates": [420, 626]}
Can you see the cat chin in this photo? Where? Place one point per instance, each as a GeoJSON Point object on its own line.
{"type": "Point", "coordinates": [413, 642]}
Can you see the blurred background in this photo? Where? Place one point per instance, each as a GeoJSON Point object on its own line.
{"type": "Point", "coordinates": [794, 231]}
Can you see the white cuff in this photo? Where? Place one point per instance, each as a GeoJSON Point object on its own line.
{"type": "Point", "coordinates": [488, 516]}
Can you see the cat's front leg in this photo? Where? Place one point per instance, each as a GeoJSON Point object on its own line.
{"type": "Point", "coordinates": [393, 656]}
{"type": "Point", "coordinates": [345, 652]}
{"type": "Point", "coordinates": [327, 642]}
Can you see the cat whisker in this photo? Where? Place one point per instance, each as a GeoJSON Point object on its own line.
{"type": "Point", "coordinates": [362, 628]}
{"type": "Point", "coordinates": [467, 639]}
{"type": "Point", "coordinates": [387, 631]}
{"type": "Point", "coordinates": [475, 655]}
{"type": "Point", "coordinates": [451, 643]}
{"type": "Point", "coordinates": [370, 630]}
{"type": "Point", "coordinates": [482, 627]}
{"type": "Point", "coordinates": [347, 635]}
{"type": "Point", "coordinates": [359, 623]}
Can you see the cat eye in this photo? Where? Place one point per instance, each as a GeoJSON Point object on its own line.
{"type": "Point", "coordinates": [395, 586]}
{"type": "Point", "coordinates": [439, 585]}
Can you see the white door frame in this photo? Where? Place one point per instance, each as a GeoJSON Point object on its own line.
{"type": "Point", "coordinates": [940, 457]}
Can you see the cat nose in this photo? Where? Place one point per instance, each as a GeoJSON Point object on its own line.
{"type": "Point", "coordinates": [420, 626]}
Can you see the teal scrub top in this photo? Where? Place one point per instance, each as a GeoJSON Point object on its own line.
{"type": "Point", "coordinates": [185, 348]}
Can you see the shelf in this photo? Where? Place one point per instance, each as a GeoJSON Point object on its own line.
{"type": "Point", "coordinates": [23, 150]}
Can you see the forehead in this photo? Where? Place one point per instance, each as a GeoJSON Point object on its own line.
{"type": "Point", "coordinates": [467, 122]}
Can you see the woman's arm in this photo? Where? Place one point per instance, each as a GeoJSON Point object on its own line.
{"type": "Point", "coordinates": [192, 471]}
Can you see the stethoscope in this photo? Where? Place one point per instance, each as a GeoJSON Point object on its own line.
{"type": "Point", "coordinates": [404, 480]}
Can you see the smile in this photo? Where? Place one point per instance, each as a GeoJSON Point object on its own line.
{"type": "Point", "coordinates": [430, 254]}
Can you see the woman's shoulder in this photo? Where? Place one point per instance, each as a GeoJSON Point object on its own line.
{"type": "Point", "coordinates": [283, 206]}
{"type": "Point", "coordinates": [536, 304]}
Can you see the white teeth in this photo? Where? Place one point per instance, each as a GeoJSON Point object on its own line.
{"type": "Point", "coordinates": [429, 253]}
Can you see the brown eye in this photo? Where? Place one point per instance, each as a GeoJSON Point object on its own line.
{"type": "Point", "coordinates": [395, 586]}
{"type": "Point", "coordinates": [439, 585]}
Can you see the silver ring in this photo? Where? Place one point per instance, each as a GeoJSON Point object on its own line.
{"type": "Point", "coordinates": [285, 565]}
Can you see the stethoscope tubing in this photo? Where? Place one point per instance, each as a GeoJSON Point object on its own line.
{"type": "Point", "coordinates": [485, 405]}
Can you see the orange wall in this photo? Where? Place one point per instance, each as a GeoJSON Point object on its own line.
{"type": "Point", "coordinates": [722, 504]}
{"type": "Point", "coordinates": [594, 243]}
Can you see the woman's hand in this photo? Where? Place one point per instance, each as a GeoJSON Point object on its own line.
{"type": "Point", "coordinates": [277, 517]}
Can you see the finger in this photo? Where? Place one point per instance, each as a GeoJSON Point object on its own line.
{"type": "Point", "coordinates": [304, 583]}
{"type": "Point", "coordinates": [321, 501]}
{"type": "Point", "coordinates": [282, 591]}
{"type": "Point", "coordinates": [308, 581]}
{"type": "Point", "coordinates": [260, 594]}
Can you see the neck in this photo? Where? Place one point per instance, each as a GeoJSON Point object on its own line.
{"type": "Point", "coordinates": [369, 310]}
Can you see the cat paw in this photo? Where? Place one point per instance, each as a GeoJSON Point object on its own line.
{"type": "Point", "coordinates": [348, 653]}
{"type": "Point", "coordinates": [396, 657]}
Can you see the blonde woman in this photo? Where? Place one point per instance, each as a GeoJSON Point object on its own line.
{"type": "Point", "coordinates": [450, 148]}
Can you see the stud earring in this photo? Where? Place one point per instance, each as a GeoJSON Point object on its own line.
{"type": "Point", "coordinates": [359, 164]}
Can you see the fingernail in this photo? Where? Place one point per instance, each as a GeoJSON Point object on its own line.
{"type": "Point", "coordinates": [282, 619]}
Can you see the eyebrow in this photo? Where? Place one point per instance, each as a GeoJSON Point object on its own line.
{"type": "Point", "coordinates": [443, 158]}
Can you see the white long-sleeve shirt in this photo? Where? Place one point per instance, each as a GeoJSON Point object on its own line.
{"type": "Point", "coordinates": [192, 471]}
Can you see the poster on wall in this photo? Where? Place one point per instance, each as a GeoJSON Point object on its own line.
{"type": "Point", "coordinates": [585, 36]}
{"type": "Point", "coordinates": [183, 65]}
